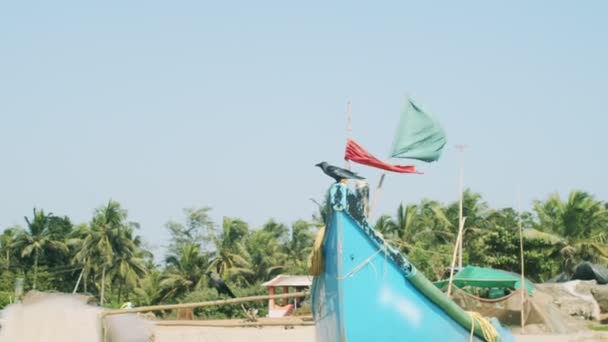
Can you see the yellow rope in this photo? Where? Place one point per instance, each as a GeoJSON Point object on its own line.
{"type": "Point", "coordinates": [316, 260]}
{"type": "Point", "coordinates": [489, 332]}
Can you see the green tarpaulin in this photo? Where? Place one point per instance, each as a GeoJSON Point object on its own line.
{"type": "Point", "coordinates": [486, 278]}
{"type": "Point", "coordinates": [419, 135]}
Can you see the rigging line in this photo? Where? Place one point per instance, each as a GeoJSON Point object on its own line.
{"type": "Point", "coordinates": [430, 252]}
{"type": "Point", "coordinates": [385, 263]}
{"type": "Point", "coordinates": [360, 266]}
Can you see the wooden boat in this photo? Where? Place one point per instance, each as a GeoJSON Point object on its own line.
{"type": "Point", "coordinates": [369, 291]}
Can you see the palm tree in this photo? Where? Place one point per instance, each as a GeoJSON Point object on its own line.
{"type": "Point", "coordinates": [197, 228]}
{"type": "Point", "coordinates": [266, 255]}
{"type": "Point", "coordinates": [7, 242]}
{"type": "Point", "coordinates": [277, 230]}
{"type": "Point", "coordinates": [37, 238]}
{"type": "Point", "coordinates": [75, 242]}
{"type": "Point", "coordinates": [393, 230]}
{"type": "Point", "coordinates": [474, 211]}
{"type": "Point", "coordinates": [577, 226]}
{"type": "Point", "coordinates": [129, 260]}
{"type": "Point", "coordinates": [433, 223]}
{"type": "Point", "coordinates": [149, 291]}
{"type": "Point", "coordinates": [299, 247]}
{"type": "Point", "coordinates": [185, 271]}
{"type": "Point", "coordinates": [403, 227]}
{"type": "Point", "coordinates": [231, 256]}
{"type": "Point", "coordinates": [474, 208]}
{"type": "Point", "coordinates": [102, 238]}
{"type": "Point", "coordinates": [384, 225]}
{"type": "Point", "coordinates": [410, 223]}
{"type": "Point", "coordinates": [414, 223]}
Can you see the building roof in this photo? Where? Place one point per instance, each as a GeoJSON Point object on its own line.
{"type": "Point", "coordinates": [289, 280]}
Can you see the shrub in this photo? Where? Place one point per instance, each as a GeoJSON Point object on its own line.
{"type": "Point", "coordinates": [227, 311]}
{"type": "Point", "coordinates": [6, 298]}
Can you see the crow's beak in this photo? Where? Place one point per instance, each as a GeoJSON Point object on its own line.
{"type": "Point", "coordinates": [319, 165]}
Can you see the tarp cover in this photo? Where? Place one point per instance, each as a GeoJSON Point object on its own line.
{"type": "Point", "coordinates": [419, 135]}
{"type": "Point", "coordinates": [584, 271]}
{"type": "Point", "coordinates": [486, 278]}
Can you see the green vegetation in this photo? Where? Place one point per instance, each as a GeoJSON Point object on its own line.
{"type": "Point", "coordinates": [107, 258]}
{"type": "Point", "coordinates": [599, 327]}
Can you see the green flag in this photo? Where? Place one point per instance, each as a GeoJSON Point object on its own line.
{"type": "Point", "coordinates": [419, 135]}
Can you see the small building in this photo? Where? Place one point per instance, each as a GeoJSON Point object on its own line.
{"type": "Point", "coordinates": [285, 283]}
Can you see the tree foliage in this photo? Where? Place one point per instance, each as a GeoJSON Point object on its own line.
{"type": "Point", "coordinates": [106, 257]}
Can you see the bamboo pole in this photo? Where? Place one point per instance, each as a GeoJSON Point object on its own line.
{"type": "Point", "coordinates": [523, 279]}
{"type": "Point", "coordinates": [460, 148]}
{"type": "Point", "coordinates": [79, 278]}
{"type": "Point", "coordinates": [202, 304]}
{"type": "Point", "coordinates": [458, 241]}
{"type": "Point", "coordinates": [232, 324]}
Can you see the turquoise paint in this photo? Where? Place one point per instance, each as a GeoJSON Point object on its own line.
{"type": "Point", "coordinates": [380, 296]}
{"type": "Point", "coordinates": [364, 295]}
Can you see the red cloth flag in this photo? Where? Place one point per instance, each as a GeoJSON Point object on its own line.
{"type": "Point", "coordinates": [358, 154]}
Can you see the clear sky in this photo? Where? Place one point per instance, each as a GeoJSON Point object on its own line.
{"type": "Point", "coordinates": [163, 105]}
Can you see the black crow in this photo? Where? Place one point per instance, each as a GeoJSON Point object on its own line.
{"type": "Point", "coordinates": [220, 286]}
{"type": "Point", "coordinates": [337, 173]}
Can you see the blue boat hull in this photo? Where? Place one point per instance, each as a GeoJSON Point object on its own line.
{"type": "Point", "coordinates": [364, 293]}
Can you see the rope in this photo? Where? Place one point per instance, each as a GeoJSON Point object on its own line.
{"type": "Point", "coordinates": [487, 329]}
{"type": "Point", "coordinates": [364, 263]}
{"type": "Point", "coordinates": [316, 260]}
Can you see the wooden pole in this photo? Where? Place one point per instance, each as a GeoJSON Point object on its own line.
{"type": "Point", "coordinates": [202, 304]}
{"type": "Point", "coordinates": [231, 324]}
{"type": "Point", "coordinates": [78, 281]}
{"type": "Point", "coordinates": [523, 279]}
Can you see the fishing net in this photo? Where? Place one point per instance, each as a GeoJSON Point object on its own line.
{"type": "Point", "coordinates": [538, 309]}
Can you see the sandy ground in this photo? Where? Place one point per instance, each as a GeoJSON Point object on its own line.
{"type": "Point", "coordinates": [587, 336]}
{"type": "Point", "coordinates": [206, 334]}
{"type": "Point", "coordinates": [307, 334]}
